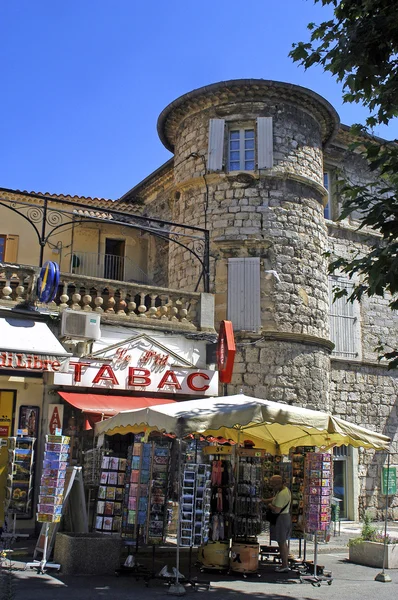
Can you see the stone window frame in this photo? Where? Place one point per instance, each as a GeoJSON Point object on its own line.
{"type": "Point", "coordinates": [347, 318]}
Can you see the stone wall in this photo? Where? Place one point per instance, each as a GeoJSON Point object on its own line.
{"type": "Point", "coordinates": [367, 395]}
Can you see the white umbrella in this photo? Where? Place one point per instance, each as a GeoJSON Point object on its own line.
{"type": "Point", "coordinates": [270, 425]}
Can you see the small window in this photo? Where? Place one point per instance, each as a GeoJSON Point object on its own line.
{"type": "Point", "coordinates": [327, 180]}
{"type": "Point", "coordinates": [9, 247]}
{"type": "Point", "coordinates": [241, 150]}
{"type": "Point", "coordinates": [344, 319]}
{"type": "Point", "coordinates": [2, 247]}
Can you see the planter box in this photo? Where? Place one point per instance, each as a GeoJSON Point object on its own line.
{"type": "Point", "coordinates": [371, 554]}
{"type": "Point", "coordinates": [88, 553]}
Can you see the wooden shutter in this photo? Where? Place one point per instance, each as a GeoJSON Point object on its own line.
{"type": "Point", "coordinates": [11, 251]}
{"type": "Point", "coordinates": [216, 145]}
{"type": "Point", "coordinates": [244, 293]}
{"type": "Point", "coordinates": [343, 320]}
{"type": "Point", "coordinates": [265, 143]}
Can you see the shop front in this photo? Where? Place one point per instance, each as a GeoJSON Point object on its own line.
{"type": "Point", "coordinates": [135, 372]}
{"type": "Point", "coordinates": [29, 351]}
{"type": "Point", "coordinates": [220, 487]}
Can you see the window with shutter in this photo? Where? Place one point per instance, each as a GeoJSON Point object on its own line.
{"type": "Point", "coordinates": [9, 248]}
{"type": "Point", "coordinates": [244, 293]}
{"type": "Point", "coordinates": [344, 319]}
{"type": "Point", "coordinates": [241, 149]}
{"type": "Point", "coordinates": [216, 145]}
{"type": "Point", "coordinates": [265, 143]}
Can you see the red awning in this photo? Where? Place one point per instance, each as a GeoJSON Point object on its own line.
{"type": "Point", "coordinates": [101, 404]}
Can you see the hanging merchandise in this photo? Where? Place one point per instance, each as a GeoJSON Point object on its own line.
{"type": "Point", "coordinates": [19, 489]}
{"type": "Point", "coordinates": [249, 494]}
{"type": "Point", "coordinates": [92, 462]}
{"type": "Point", "coordinates": [146, 491]}
{"type": "Point", "coordinates": [158, 493]}
{"type": "Point", "coordinates": [222, 492]}
{"type": "Point", "coordinates": [195, 504]}
{"type": "Point", "coordinates": [218, 508]}
{"type": "Point", "coordinates": [52, 482]}
{"type": "Point", "coordinates": [248, 510]}
{"type": "Point", "coordinates": [318, 484]}
{"type": "Point", "coordinates": [297, 457]}
{"type": "Point", "coordinates": [110, 494]}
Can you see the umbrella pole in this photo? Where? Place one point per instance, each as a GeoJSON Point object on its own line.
{"type": "Point", "coordinates": [384, 577]}
{"type": "Point", "coordinates": [177, 589]}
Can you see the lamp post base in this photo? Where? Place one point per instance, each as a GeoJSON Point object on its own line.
{"type": "Point", "coordinates": [383, 577]}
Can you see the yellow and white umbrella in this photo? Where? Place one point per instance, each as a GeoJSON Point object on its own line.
{"type": "Point", "coordinates": [270, 425]}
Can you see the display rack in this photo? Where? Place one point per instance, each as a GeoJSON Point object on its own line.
{"type": "Point", "coordinates": [146, 492]}
{"type": "Point", "coordinates": [20, 477]}
{"type": "Point", "coordinates": [158, 493]}
{"type": "Point", "coordinates": [318, 485]}
{"type": "Point", "coordinates": [52, 484]}
{"type": "Point", "coordinates": [297, 458]}
{"type": "Point", "coordinates": [92, 461]}
{"type": "Point", "coordinates": [110, 495]}
{"type": "Point", "coordinates": [195, 504]}
{"type": "Point", "coordinates": [214, 552]}
{"type": "Point", "coordinates": [248, 513]}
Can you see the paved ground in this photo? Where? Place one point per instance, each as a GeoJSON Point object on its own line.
{"type": "Point", "coordinates": [350, 581]}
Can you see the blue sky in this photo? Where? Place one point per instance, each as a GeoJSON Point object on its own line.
{"type": "Point", "coordinates": [84, 81]}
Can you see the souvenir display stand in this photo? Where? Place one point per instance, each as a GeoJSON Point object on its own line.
{"type": "Point", "coordinates": [248, 511]}
{"type": "Point", "coordinates": [19, 486]}
{"type": "Point", "coordinates": [52, 483]}
{"type": "Point", "coordinates": [318, 485]}
{"type": "Point", "coordinates": [215, 546]}
{"type": "Point", "coordinates": [92, 463]}
{"type": "Point", "coordinates": [237, 418]}
{"type": "Point", "coordinates": [110, 495]}
{"type": "Point", "coordinates": [146, 490]}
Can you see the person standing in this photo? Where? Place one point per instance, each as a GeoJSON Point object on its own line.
{"type": "Point", "coordinates": [281, 531]}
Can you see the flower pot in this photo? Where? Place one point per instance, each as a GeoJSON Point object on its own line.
{"type": "Point", "coordinates": [371, 554]}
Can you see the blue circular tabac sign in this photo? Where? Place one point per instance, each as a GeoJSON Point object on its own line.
{"type": "Point", "coordinates": [47, 285]}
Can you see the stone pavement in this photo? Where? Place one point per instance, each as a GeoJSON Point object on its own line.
{"type": "Point", "coordinates": [350, 581]}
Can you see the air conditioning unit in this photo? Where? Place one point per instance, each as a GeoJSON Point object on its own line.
{"type": "Point", "coordinates": [80, 325]}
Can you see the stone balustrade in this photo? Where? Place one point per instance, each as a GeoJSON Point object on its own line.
{"type": "Point", "coordinates": [142, 304]}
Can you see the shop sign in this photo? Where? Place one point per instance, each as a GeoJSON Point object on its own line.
{"type": "Point", "coordinates": [29, 362]}
{"type": "Point", "coordinates": [107, 376]}
{"type": "Point", "coordinates": [55, 418]}
{"type": "Point", "coordinates": [389, 473]}
{"type": "Point", "coordinates": [4, 430]}
{"type": "Point", "coordinates": [139, 364]}
{"type": "Point", "coordinates": [226, 351]}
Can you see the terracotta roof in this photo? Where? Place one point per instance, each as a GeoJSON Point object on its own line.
{"type": "Point", "coordinates": [97, 203]}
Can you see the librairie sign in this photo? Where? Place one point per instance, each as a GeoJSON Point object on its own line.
{"type": "Point", "coordinates": [22, 361]}
{"type": "Point", "coordinates": [139, 364]}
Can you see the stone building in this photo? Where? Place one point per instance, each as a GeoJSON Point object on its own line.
{"type": "Point", "coordinates": [254, 162]}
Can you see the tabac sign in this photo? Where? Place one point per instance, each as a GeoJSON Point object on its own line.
{"type": "Point", "coordinates": [139, 364]}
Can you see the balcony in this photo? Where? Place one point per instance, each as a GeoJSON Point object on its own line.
{"type": "Point", "coordinates": [107, 266]}
{"type": "Point", "coordinates": [117, 301]}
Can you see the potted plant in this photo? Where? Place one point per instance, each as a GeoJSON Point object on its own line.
{"type": "Point", "coordinates": [368, 548]}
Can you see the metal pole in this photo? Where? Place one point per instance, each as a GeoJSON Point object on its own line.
{"type": "Point", "coordinates": [384, 577]}
{"type": "Point", "coordinates": [43, 233]}
{"type": "Point", "coordinates": [386, 515]}
{"type": "Point", "coordinates": [177, 589]}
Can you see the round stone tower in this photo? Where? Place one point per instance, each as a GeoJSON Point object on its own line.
{"type": "Point", "coordinates": [248, 166]}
